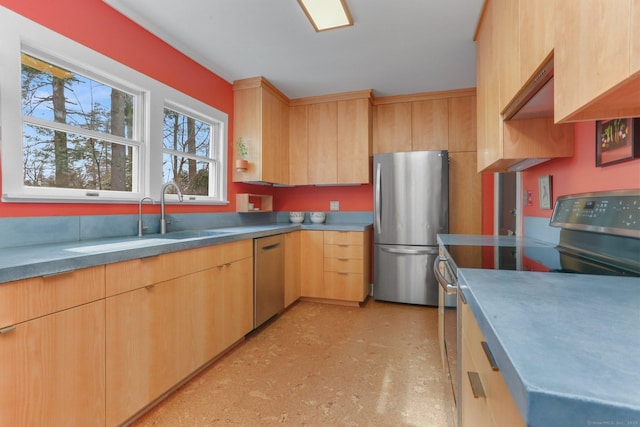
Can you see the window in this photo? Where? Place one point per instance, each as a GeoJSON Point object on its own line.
{"type": "Point", "coordinates": [191, 153]}
{"type": "Point", "coordinates": [78, 133]}
{"type": "Point", "coordinates": [77, 126]}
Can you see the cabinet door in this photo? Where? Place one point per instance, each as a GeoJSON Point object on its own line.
{"type": "Point", "coordinates": [53, 369]}
{"type": "Point", "coordinates": [592, 53]}
{"type": "Point", "coordinates": [462, 124]}
{"type": "Point", "coordinates": [429, 125]}
{"type": "Point", "coordinates": [465, 194]}
{"type": "Point", "coordinates": [156, 336]}
{"type": "Point", "coordinates": [298, 145]}
{"type": "Point", "coordinates": [323, 143]}
{"type": "Point", "coordinates": [354, 141]}
{"type": "Point", "coordinates": [392, 128]}
{"type": "Point", "coordinates": [489, 121]}
{"type": "Point", "coordinates": [292, 267]}
{"type": "Point", "coordinates": [537, 34]}
{"type": "Point", "coordinates": [247, 119]}
{"type": "Point", "coordinates": [238, 300]}
{"type": "Point", "coordinates": [312, 264]}
{"type": "Point", "coordinates": [508, 49]}
{"type": "Point", "coordinates": [275, 136]}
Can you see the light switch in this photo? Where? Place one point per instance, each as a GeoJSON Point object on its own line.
{"type": "Point", "coordinates": [334, 205]}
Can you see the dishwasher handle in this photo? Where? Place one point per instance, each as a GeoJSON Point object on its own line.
{"type": "Point", "coordinates": [449, 288]}
{"type": "Point", "coordinates": [269, 247]}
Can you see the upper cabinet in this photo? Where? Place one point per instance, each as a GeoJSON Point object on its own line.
{"type": "Point", "coordinates": [597, 59]}
{"type": "Point", "coordinates": [331, 139]}
{"type": "Point", "coordinates": [307, 141]}
{"type": "Point", "coordinates": [261, 119]}
{"type": "Point", "coordinates": [427, 121]}
{"type": "Point", "coordinates": [512, 45]}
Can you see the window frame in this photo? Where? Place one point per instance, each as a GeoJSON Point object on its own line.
{"type": "Point", "coordinates": [20, 34]}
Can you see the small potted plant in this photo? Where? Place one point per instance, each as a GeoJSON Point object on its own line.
{"type": "Point", "coordinates": [242, 164]}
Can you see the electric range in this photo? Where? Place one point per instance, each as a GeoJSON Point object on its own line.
{"type": "Point", "coordinates": [599, 235]}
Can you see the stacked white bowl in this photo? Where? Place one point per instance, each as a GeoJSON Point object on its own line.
{"type": "Point", "coordinates": [296, 217]}
{"type": "Point", "coordinates": [318, 217]}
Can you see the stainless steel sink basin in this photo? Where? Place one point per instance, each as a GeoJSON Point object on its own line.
{"type": "Point", "coordinates": [189, 234]}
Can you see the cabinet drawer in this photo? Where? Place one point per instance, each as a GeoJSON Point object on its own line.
{"type": "Point", "coordinates": [38, 296]}
{"type": "Point", "coordinates": [343, 251]}
{"type": "Point", "coordinates": [235, 251]}
{"type": "Point", "coordinates": [343, 265]}
{"type": "Point", "coordinates": [343, 238]}
{"type": "Point", "coordinates": [136, 273]}
{"type": "Point", "coordinates": [344, 286]}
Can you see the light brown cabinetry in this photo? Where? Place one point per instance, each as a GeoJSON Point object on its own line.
{"type": "Point", "coordinates": [347, 265]}
{"type": "Point", "coordinates": [335, 265]}
{"type": "Point", "coordinates": [312, 264]}
{"type": "Point", "coordinates": [299, 145]}
{"type": "Point", "coordinates": [424, 122]}
{"type": "Point", "coordinates": [335, 135]}
{"type": "Point", "coordinates": [167, 326]}
{"type": "Point", "coordinates": [261, 119]}
{"type": "Point", "coordinates": [537, 34]}
{"type": "Point", "coordinates": [52, 350]}
{"type": "Point", "coordinates": [323, 143]}
{"type": "Point", "coordinates": [504, 145]}
{"type": "Point", "coordinates": [292, 255]}
{"type": "Point", "coordinates": [488, 401]}
{"type": "Point", "coordinates": [392, 127]}
{"type": "Point", "coordinates": [596, 60]}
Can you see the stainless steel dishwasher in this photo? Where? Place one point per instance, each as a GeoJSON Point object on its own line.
{"type": "Point", "coordinates": [268, 279]}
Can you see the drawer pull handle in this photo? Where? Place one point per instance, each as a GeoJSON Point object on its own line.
{"type": "Point", "coordinates": [343, 259]}
{"type": "Point", "coordinates": [476, 385]}
{"type": "Point", "coordinates": [343, 273]}
{"type": "Point", "coordinates": [343, 246]}
{"type": "Point", "coordinates": [59, 273]}
{"type": "Point", "coordinates": [8, 329]}
{"type": "Point", "coordinates": [490, 358]}
{"type": "Point", "coordinates": [149, 287]}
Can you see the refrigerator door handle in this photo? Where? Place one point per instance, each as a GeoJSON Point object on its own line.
{"type": "Point", "coordinates": [410, 251]}
{"type": "Point", "coordinates": [378, 202]}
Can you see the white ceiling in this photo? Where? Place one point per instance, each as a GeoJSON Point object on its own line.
{"type": "Point", "coordinates": [395, 47]}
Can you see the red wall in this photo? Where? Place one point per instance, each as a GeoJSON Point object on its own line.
{"type": "Point", "coordinates": [310, 198]}
{"type": "Point", "coordinates": [578, 174]}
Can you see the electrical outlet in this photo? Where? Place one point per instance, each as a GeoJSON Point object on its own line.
{"type": "Point", "coordinates": [334, 205]}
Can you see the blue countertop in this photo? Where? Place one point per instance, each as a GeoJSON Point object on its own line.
{"type": "Point", "coordinates": [568, 345]}
{"type": "Point", "coordinates": [36, 260]}
{"type": "Point", "coordinates": [488, 240]}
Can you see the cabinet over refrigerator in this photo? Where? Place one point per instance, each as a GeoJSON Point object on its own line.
{"type": "Point", "coordinates": [411, 206]}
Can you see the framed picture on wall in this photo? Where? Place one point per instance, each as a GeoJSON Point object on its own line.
{"type": "Point", "coordinates": [544, 182]}
{"type": "Point", "coordinates": [617, 140]}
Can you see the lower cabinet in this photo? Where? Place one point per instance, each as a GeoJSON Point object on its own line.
{"type": "Point", "coordinates": [52, 350]}
{"type": "Point", "coordinates": [292, 290]}
{"type": "Point", "coordinates": [160, 333]}
{"type": "Point", "coordinates": [336, 265]}
{"type": "Point", "coordinates": [53, 369]}
{"type": "Point", "coordinates": [485, 399]}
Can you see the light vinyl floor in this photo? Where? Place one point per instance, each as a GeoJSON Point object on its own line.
{"type": "Point", "coordinates": [323, 365]}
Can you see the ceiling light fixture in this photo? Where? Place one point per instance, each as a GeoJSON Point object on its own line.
{"type": "Point", "coordinates": [326, 14]}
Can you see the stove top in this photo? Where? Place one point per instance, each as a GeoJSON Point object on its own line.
{"type": "Point", "coordinates": [600, 234]}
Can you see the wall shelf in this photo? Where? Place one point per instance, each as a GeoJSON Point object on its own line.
{"type": "Point", "coordinates": [261, 202]}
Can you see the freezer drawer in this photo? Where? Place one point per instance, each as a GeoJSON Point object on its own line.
{"type": "Point", "coordinates": [405, 274]}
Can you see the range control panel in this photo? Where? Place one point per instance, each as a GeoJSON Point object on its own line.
{"type": "Point", "coordinates": [615, 212]}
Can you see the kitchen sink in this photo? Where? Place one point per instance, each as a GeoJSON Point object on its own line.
{"type": "Point", "coordinates": [189, 234]}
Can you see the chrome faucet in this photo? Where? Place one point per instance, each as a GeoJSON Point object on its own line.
{"type": "Point", "coordinates": [140, 224]}
{"type": "Point", "coordinates": [163, 221]}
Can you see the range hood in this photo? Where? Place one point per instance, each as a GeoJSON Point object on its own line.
{"type": "Point", "coordinates": [535, 99]}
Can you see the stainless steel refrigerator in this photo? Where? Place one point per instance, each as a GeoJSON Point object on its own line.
{"type": "Point", "coordinates": [411, 205]}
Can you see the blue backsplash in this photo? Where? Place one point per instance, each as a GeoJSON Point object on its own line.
{"type": "Point", "coordinates": [27, 231]}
